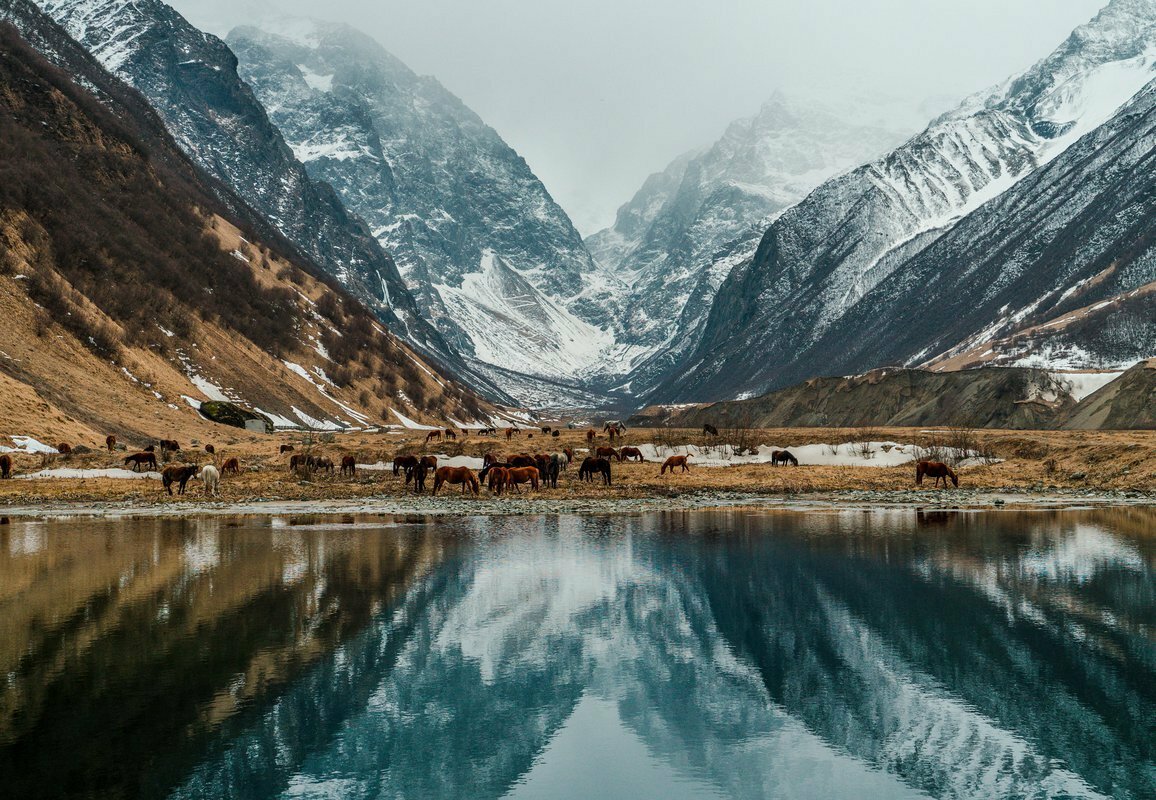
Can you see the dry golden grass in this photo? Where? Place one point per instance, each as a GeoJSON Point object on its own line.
{"type": "Point", "coordinates": [1034, 461]}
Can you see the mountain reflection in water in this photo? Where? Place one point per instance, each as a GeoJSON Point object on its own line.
{"type": "Point", "coordinates": [707, 654]}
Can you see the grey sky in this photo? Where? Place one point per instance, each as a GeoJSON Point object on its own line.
{"type": "Point", "coordinates": [598, 94]}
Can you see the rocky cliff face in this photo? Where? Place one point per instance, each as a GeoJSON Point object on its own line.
{"type": "Point", "coordinates": [191, 79]}
{"type": "Point", "coordinates": [688, 226]}
{"type": "Point", "coordinates": [492, 259]}
{"type": "Point", "coordinates": [987, 217]}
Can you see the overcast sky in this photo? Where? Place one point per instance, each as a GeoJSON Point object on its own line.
{"type": "Point", "coordinates": [597, 94]}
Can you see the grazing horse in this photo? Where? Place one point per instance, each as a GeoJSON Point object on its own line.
{"type": "Point", "coordinates": [497, 476]}
{"type": "Point", "coordinates": [430, 462]}
{"type": "Point", "coordinates": [232, 465]}
{"type": "Point", "coordinates": [590, 466]}
{"type": "Point", "coordinates": [455, 475]}
{"type": "Point", "coordinates": [212, 480]}
{"type": "Point", "coordinates": [708, 428]}
{"type": "Point", "coordinates": [5, 466]}
{"type": "Point", "coordinates": [417, 473]}
{"type": "Point", "coordinates": [555, 434]}
{"type": "Point", "coordinates": [152, 448]}
{"type": "Point", "coordinates": [522, 460]}
{"type": "Point", "coordinates": [491, 458]}
{"type": "Point", "coordinates": [569, 451]}
{"type": "Point", "coordinates": [451, 435]}
{"type": "Point", "coordinates": [590, 434]}
{"type": "Point", "coordinates": [630, 454]}
{"type": "Point", "coordinates": [404, 463]}
{"type": "Point", "coordinates": [286, 448]}
{"type": "Point", "coordinates": [517, 475]}
{"type": "Point", "coordinates": [136, 459]}
{"type": "Point", "coordinates": [299, 460]}
{"type": "Point", "coordinates": [783, 457]}
{"type": "Point", "coordinates": [179, 474]}
{"type": "Point", "coordinates": [348, 465]}
{"type": "Point", "coordinates": [210, 450]}
{"type": "Point", "coordinates": [323, 464]}
{"type": "Point", "coordinates": [432, 435]}
{"type": "Point", "coordinates": [170, 445]}
{"type": "Point", "coordinates": [675, 461]}
{"type": "Point", "coordinates": [64, 449]}
{"type": "Point", "coordinates": [937, 470]}
{"type": "Point", "coordinates": [607, 452]}
{"type": "Point", "coordinates": [110, 442]}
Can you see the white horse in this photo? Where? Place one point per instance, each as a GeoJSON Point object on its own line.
{"type": "Point", "coordinates": [212, 480]}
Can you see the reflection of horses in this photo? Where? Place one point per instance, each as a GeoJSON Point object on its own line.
{"type": "Point", "coordinates": [675, 461]}
{"type": "Point", "coordinates": [630, 454]}
{"type": "Point", "coordinates": [711, 429]}
{"type": "Point", "coordinates": [5, 466]}
{"type": "Point", "coordinates": [432, 435]}
{"type": "Point", "coordinates": [136, 459]}
{"type": "Point", "coordinates": [607, 452]}
{"type": "Point", "coordinates": [232, 465]}
{"type": "Point", "coordinates": [783, 457]}
{"type": "Point", "coordinates": [178, 474]}
{"type": "Point", "coordinates": [930, 518]}
{"type": "Point", "coordinates": [110, 442]}
{"type": "Point", "coordinates": [348, 466]}
{"type": "Point", "coordinates": [456, 475]}
{"type": "Point", "coordinates": [590, 466]}
{"type": "Point", "coordinates": [937, 470]}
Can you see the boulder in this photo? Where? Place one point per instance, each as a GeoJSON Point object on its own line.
{"type": "Point", "coordinates": [232, 414]}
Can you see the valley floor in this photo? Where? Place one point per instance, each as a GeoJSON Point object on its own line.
{"type": "Point", "coordinates": [1018, 468]}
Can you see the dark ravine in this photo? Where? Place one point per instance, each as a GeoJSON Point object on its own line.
{"type": "Point", "coordinates": [991, 397]}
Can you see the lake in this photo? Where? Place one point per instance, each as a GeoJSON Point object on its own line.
{"type": "Point", "coordinates": [882, 654]}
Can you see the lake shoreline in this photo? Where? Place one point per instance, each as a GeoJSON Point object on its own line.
{"type": "Point", "coordinates": [456, 506]}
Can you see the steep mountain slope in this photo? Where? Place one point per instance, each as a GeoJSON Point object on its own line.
{"type": "Point", "coordinates": [821, 287]}
{"type": "Point", "coordinates": [490, 256]}
{"type": "Point", "coordinates": [677, 239]}
{"type": "Point", "coordinates": [191, 79]}
{"type": "Point", "coordinates": [128, 297]}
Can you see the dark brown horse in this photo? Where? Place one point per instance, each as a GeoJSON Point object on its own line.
{"type": "Point", "coordinates": [432, 435]}
{"type": "Point", "coordinates": [711, 429]}
{"type": "Point", "coordinates": [675, 461]}
{"type": "Point", "coordinates": [286, 448]}
{"type": "Point", "coordinates": [509, 434]}
{"type": "Point", "coordinates": [783, 457]}
{"type": "Point", "coordinates": [937, 470]}
{"type": "Point", "coordinates": [607, 452]}
{"type": "Point", "coordinates": [210, 450]}
{"type": "Point", "coordinates": [301, 461]}
{"type": "Point", "coordinates": [492, 458]}
{"type": "Point", "coordinates": [497, 477]}
{"type": "Point", "coordinates": [630, 454]}
{"type": "Point", "coordinates": [592, 466]}
{"type": "Point", "coordinates": [518, 475]}
{"type": "Point", "coordinates": [555, 434]}
{"type": "Point", "coordinates": [64, 449]}
{"type": "Point", "coordinates": [323, 464]}
{"type": "Point", "coordinates": [430, 462]}
{"type": "Point", "coordinates": [110, 442]}
{"type": "Point", "coordinates": [417, 474]}
{"type": "Point", "coordinates": [590, 434]}
{"type": "Point", "coordinates": [405, 463]}
{"type": "Point", "coordinates": [178, 474]}
{"type": "Point", "coordinates": [569, 451]}
{"type": "Point", "coordinates": [348, 466]}
{"type": "Point", "coordinates": [232, 465]}
{"type": "Point", "coordinates": [450, 434]}
{"type": "Point", "coordinates": [456, 475]}
{"type": "Point", "coordinates": [5, 466]}
{"type": "Point", "coordinates": [137, 459]}
{"type": "Point", "coordinates": [170, 445]}
{"type": "Point", "coordinates": [522, 460]}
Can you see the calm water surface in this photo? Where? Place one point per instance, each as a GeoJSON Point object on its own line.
{"type": "Point", "coordinates": [722, 654]}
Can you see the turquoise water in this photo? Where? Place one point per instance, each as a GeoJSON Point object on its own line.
{"type": "Point", "coordinates": [707, 654]}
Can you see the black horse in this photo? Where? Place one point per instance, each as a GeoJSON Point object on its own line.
{"type": "Point", "coordinates": [592, 466]}
{"type": "Point", "coordinates": [711, 429]}
{"type": "Point", "coordinates": [783, 457]}
{"type": "Point", "coordinates": [417, 474]}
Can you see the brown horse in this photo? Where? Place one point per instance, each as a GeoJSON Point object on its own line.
{"type": "Point", "coordinates": [608, 452]}
{"type": "Point", "coordinates": [299, 460]}
{"type": "Point", "coordinates": [348, 466]}
{"type": "Point", "coordinates": [430, 462]}
{"type": "Point", "coordinates": [675, 461]}
{"type": "Point", "coordinates": [590, 434]}
{"type": "Point", "coordinates": [64, 449]}
{"type": "Point", "coordinates": [783, 457]}
{"type": "Point", "coordinates": [232, 465]}
{"type": "Point", "coordinates": [5, 466]}
{"type": "Point", "coordinates": [169, 445]}
{"type": "Point", "coordinates": [405, 463]}
{"type": "Point", "coordinates": [937, 470]}
{"type": "Point", "coordinates": [450, 434]}
{"type": "Point", "coordinates": [210, 450]}
{"type": "Point", "coordinates": [569, 451]}
{"type": "Point", "coordinates": [708, 428]}
{"type": "Point", "coordinates": [522, 460]}
{"type": "Point", "coordinates": [613, 432]}
{"type": "Point", "coordinates": [432, 435]}
{"type": "Point", "coordinates": [630, 454]}
{"type": "Point", "coordinates": [323, 464]}
{"type": "Point", "coordinates": [590, 466]}
{"type": "Point", "coordinates": [509, 434]}
{"type": "Point", "coordinates": [491, 458]}
{"type": "Point", "coordinates": [286, 448]}
{"type": "Point", "coordinates": [555, 434]}
{"type": "Point", "coordinates": [178, 474]}
{"type": "Point", "coordinates": [136, 459]}
{"type": "Point", "coordinates": [110, 442]}
{"type": "Point", "coordinates": [497, 478]}
{"type": "Point", "coordinates": [455, 475]}
{"type": "Point", "coordinates": [517, 475]}
{"type": "Point", "coordinates": [417, 473]}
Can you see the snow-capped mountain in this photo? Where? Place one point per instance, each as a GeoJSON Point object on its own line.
{"type": "Point", "coordinates": [858, 273]}
{"type": "Point", "coordinates": [493, 260]}
{"type": "Point", "coordinates": [190, 78]}
{"type": "Point", "coordinates": [677, 239]}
